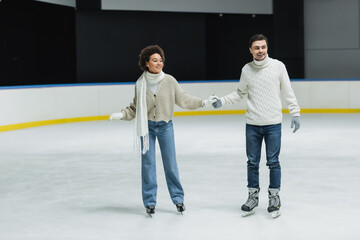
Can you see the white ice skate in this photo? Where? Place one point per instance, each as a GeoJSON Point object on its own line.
{"type": "Point", "coordinates": [245, 213]}
{"type": "Point", "coordinates": [253, 201]}
{"type": "Point", "coordinates": [275, 214]}
{"type": "Point", "coordinates": [274, 203]}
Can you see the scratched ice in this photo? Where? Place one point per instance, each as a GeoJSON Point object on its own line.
{"type": "Point", "coordinates": [81, 181]}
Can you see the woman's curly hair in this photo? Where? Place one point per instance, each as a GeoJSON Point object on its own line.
{"type": "Point", "coordinates": [145, 54]}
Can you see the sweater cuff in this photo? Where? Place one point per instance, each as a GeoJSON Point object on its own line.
{"type": "Point", "coordinates": [223, 102]}
{"type": "Point", "coordinates": [297, 114]}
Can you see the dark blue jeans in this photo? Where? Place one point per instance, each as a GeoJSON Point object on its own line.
{"type": "Point", "coordinates": [254, 138]}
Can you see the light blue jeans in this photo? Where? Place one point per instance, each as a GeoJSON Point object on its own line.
{"type": "Point", "coordinates": [254, 138]}
{"type": "Point", "coordinates": [164, 132]}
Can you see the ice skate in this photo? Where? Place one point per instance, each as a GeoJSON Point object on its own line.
{"type": "Point", "coordinates": [150, 210]}
{"type": "Point", "coordinates": [253, 201]}
{"type": "Point", "coordinates": [274, 203]}
{"type": "Point", "coordinates": [180, 207]}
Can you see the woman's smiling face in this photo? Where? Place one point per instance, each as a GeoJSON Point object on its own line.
{"type": "Point", "coordinates": [155, 63]}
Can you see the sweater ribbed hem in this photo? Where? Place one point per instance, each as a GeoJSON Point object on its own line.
{"type": "Point", "coordinates": [263, 123]}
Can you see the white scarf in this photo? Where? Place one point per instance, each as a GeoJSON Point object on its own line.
{"type": "Point", "coordinates": [141, 119]}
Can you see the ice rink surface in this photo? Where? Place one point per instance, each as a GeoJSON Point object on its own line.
{"type": "Point", "coordinates": [81, 181]}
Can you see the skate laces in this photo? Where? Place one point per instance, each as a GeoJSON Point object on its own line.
{"type": "Point", "coordinates": [251, 201]}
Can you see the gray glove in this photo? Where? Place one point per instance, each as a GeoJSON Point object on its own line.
{"type": "Point", "coordinates": [295, 121]}
{"type": "Point", "coordinates": [209, 101]}
{"type": "Point", "coordinates": [218, 103]}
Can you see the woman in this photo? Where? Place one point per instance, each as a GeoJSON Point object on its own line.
{"type": "Point", "coordinates": [156, 93]}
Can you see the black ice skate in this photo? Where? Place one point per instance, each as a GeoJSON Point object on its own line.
{"type": "Point", "coordinates": [253, 201]}
{"type": "Point", "coordinates": [150, 210]}
{"type": "Point", "coordinates": [180, 207]}
{"type": "Point", "coordinates": [274, 203]}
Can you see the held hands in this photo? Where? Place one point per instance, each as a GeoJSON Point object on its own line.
{"type": "Point", "coordinates": [295, 121]}
{"type": "Point", "coordinates": [116, 116]}
{"type": "Point", "coordinates": [211, 100]}
{"type": "Point", "coordinates": [218, 103]}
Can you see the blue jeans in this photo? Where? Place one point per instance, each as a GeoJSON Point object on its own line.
{"type": "Point", "coordinates": [254, 137]}
{"type": "Point", "coordinates": [164, 132]}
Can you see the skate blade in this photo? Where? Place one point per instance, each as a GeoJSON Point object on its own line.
{"type": "Point", "coordinates": [275, 214]}
{"type": "Point", "coordinates": [245, 214]}
{"type": "Point", "coordinates": [150, 215]}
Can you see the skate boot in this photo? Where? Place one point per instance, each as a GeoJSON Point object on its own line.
{"type": "Point", "coordinates": [253, 201]}
{"type": "Point", "coordinates": [150, 210]}
{"type": "Point", "coordinates": [274, 203]}
{"type": "Point", "coordinates": [180, 207]}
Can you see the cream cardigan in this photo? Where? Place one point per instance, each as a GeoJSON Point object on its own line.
{"type": "Point", "coordinates": [160, 106]}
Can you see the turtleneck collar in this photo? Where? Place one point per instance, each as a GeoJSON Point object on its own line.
{"type": "Point", "coordinates": [153, 78]}
{"type": "Point", "coordinates": [261, 63]}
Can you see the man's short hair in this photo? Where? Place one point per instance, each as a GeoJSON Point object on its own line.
{"type": "Point", "coordinates": [257, 37]}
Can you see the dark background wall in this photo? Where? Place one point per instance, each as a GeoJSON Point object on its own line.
{"type": "Point", "coordinates": [288, 35]}
{"type": "Point", "coordinates": [197, 46]}
{"type": "Point", "coordinates": [37, 43]}
{"type": "Point", "coordinates": [45, 44]}
{"type": "Point", "coordinates": [332, 39]}
{"type": "Point", "coordinates": [227, 40]}
{"type": "Point", "coordinates": [124, 34]}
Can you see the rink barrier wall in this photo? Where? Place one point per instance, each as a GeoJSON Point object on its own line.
{"type": "Point", "coordinates": [39, 105]}
{"type": "Point", "coordinates": [176, 114]}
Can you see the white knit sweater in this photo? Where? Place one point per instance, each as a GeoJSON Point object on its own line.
{"type": "Point", "coordinates": [263, 82]}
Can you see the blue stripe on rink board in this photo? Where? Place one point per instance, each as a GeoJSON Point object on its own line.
{"type": "Point", "coordinates": [191, 81]}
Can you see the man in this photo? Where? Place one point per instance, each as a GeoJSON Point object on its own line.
{"type": "Point", "coordinates": [261, 83]}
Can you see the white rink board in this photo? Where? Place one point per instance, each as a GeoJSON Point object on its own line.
{"type": "Point", "coordinates": [46, 103]}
